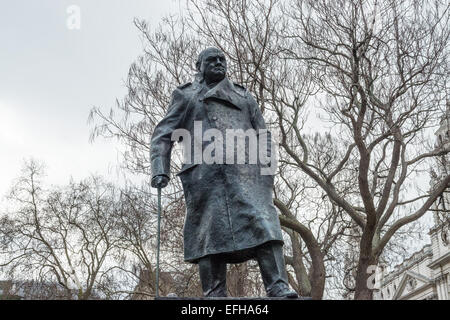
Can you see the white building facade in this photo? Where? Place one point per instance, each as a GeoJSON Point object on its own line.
{"type": "Point", "coordinates": [425, 275]}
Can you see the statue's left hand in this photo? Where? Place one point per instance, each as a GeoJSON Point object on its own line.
{"type": "Point", "coordinates": [160, 181]}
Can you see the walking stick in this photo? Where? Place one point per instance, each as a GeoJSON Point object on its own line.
{"type": "Point", "coordinates": [158, 240]}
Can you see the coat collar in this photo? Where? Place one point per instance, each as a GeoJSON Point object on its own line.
{"type": "Point", "coordinates": [226, 91]}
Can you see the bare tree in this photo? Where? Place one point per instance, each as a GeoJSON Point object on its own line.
{"type": "Point", "coordinates": [65, 236]}
{"type": "Point", "coordinates": [381, 65]}
{"type": "Point", "coordinates": [137, 234]}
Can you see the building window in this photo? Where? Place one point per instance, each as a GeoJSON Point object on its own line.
{"type": "Point", "coordinates": [412, 283]}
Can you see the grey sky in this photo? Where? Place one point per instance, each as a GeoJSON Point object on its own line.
{"type": "Point", "coordinates": [51, 77]}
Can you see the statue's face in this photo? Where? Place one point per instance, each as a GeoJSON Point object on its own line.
{"type": "Point", "coordinates": [214, 66]}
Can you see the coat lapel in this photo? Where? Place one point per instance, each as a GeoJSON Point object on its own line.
{"type": "Point", "coordinates": [225, 91]}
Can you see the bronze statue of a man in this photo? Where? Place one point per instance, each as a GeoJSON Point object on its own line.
{"type": "Point", "coordinates": [230, 216]}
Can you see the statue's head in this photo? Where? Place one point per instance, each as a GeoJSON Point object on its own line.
{"type": "Point", "coordinates": [212, 65]}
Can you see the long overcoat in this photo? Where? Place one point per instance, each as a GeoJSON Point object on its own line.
{"type": "Point", "coordinates": [229, 207]}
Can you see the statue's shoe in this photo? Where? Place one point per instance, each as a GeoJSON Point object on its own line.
{"type": "Point", "coordinates": [219, 293]}
{"type": "Point", "coordinates": [282, 292]}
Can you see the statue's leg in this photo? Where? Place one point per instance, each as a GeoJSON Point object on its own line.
{"type": "Point", "coordinates": [273, 270]}
{"type": "Point", "coordinates": [213, 273]}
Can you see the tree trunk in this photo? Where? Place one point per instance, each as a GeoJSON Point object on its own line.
{"type": "Point", "coordinates": [364, 278]}
{"type": "Point", "coordinates": [317, 274]}
{"type": "Point", "coordinates": [301, 274]}
{"type": "Point", "coordinates": [364, 284]}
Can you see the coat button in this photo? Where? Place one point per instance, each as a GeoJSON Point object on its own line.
{"type": "Point", "coordinates": [214, 118]}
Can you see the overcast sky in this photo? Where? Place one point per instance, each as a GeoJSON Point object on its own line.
{"type": "Point", "coordinates": [51, 76]}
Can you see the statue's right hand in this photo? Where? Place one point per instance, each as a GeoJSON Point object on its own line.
{"type": "Point", "coordinates": [160, 182]}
